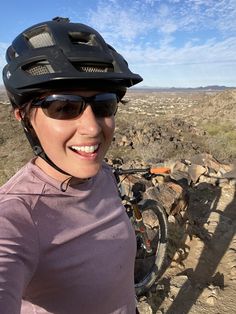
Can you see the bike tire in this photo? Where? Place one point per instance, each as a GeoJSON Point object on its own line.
{"type": "Point", "coordinates": [148, 267]}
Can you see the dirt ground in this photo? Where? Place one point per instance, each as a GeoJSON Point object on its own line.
{"type": "Point", "coordinates": [201, 277]}
{"type": "Point", "coordinates": [200, 271]}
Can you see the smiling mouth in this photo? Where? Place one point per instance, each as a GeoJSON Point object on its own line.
{"type": "Point", "coordinates": [85, 149]}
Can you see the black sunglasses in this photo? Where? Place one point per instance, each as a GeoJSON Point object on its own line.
{"type": "Point", "coordinates": [65, 107]}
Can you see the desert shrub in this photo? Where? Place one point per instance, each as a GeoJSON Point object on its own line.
{"type": "Point", "coordinates": [221, 139]}
{"type": "Point", "coordinates": [217, 128]}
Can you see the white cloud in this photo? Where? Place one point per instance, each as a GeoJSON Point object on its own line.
{"type": "Point", "coordinates": [129, 22]}
{"type": "Point", "coordinates": [132, 18]}
{"type": "Point", "coordinates": [191, 53]}
{"type": "Point", "coordinates": [200, 14]}
{"type": "Point", "coordinates": [193, 75]}
{"type": "Point", "coordinates": [168, 27]}
{"type": "Point", "coordinates": [116, 22]}
{"type": "Point", "coordinates": [147, 31]}
{"type": "Point", "coordinates": [151, 2]}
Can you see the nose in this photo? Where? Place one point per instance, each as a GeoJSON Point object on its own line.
{"type": "Point", "coordinates": [88, 124]}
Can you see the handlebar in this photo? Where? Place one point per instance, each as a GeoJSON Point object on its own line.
{"type": "Point", "coordinates": [149, 170]}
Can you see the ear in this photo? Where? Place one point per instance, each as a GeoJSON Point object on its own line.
{"type": "Point", "coordinates": [17, 114]}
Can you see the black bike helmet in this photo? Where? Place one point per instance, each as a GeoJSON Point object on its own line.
{"type": "Point", "coordinates": [59, 53]}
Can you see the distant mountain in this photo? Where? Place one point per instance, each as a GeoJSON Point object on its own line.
{"type": "Point", "coordinates": [182, 89]}
{"type": "Point", "coordinates": [165, 89]}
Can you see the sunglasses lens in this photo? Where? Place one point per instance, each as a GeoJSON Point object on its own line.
{"type": "Point", "coordinates": [105, 105]}
{"type": "Point", "coordinates": [62, 109]}
{"type": "Point", "coordinates": [66, 107]}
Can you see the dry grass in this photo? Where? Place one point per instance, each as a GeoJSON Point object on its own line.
{"type": "Point", "coordinates": [221, 139]}
{"type": "Point", "coordinates": [15, 151]}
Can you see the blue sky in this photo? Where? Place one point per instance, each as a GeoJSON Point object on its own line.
{"type": "Point", "coordinates": [180, 43]}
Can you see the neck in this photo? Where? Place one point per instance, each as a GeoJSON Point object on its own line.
{"type": "Point", "coordinates": [55, 174]}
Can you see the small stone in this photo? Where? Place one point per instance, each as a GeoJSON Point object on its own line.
{"type": "Point", "coordinates": [176, 256]}
{"type": "Point", "coordinates": [158, 180]}
{"type": "Point", "coordinates": [144, 308]}
{"type": "Point", "coordinates": [174, 291]}
{"type": "Point", "coordinates": [233, 273]}
{"type": "Point", "coordinates": [211, 300]}
{"type": "Point", "coordinates": [179, 281]}
{"type": "Point", "coordinates": [195, 171]}
{"type": "Point", "coordinates": [171, 219]}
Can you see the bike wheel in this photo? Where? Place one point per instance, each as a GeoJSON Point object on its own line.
{"type": "Point", "coordinates": [148, 265]}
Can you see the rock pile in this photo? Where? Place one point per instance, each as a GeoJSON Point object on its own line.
{"type": "Point", "coordinates": [173, 132]}
{"type": "Point", "coordinates": [203, 168]}
{"type": "Point", "coordinates": [161, 141]}
{"type": "Point", "coordinates": [171, 189]}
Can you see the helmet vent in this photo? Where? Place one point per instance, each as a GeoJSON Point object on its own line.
{"type": "Point", "coordinates": [93, 68]}
{"type": "Point", "coordinates": [39, 68]}
{"type": "Point", "coordinates": [81, 38]}
{"type": "Point", "coordinates": [41, 40]}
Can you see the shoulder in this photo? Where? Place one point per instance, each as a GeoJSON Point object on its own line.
{"type": "Point", "coordinates": [19, 196]}
{"type": "Point", "coordinates": [14, 214]}
{"type": "Point", "coordinates": [22, 187]}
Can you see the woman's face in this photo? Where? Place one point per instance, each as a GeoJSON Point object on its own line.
{"type": "Point", "coordinates": [78, 145]}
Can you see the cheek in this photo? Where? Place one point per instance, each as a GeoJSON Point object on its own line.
{"type": "Point", "coordinates": [46, 129]}
{"type": "Point", "coordinates": [109, 127]}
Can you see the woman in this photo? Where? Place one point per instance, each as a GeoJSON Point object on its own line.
{"type": "Point", "coordinates": [66, 244]}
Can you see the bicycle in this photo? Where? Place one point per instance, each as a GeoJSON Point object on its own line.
{"type": "Point", "coordinates": [151, 237]}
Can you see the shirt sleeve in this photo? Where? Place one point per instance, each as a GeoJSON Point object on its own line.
{"type": "Point", "coordinates": [19, 249]}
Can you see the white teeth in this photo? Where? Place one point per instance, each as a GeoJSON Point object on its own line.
{"type": "Point", "coordinates": [86, 149]}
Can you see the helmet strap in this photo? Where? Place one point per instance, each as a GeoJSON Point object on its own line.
{"type": "Point", "coordinates": [38, 149]}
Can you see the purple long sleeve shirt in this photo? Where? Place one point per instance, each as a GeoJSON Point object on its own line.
{"type": "Point", "coordinates": [65, 252]}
